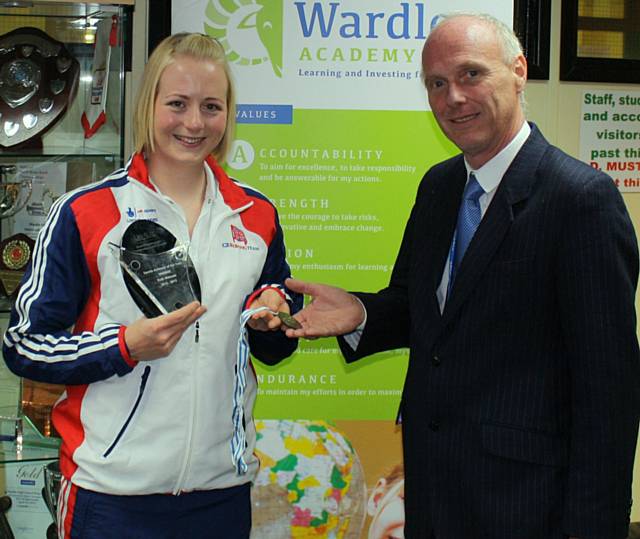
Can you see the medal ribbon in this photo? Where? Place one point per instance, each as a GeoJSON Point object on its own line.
{"type": "Point", "coordinates": [239, 439]}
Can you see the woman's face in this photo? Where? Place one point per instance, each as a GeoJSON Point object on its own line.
{"type": "Point", "coordinates": [190, 111]}
{"type": "Point", "coordinates": [386, 506]}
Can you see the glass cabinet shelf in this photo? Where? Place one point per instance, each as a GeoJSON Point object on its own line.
{"type": "Point", "coordinates": [75, 25]}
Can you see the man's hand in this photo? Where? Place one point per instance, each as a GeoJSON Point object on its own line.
{"type": "Point", "coordinates": [332, 311]}
{"type": "Point", "coordinates": [265, 320]}
{"type": "Point", "coordinates": [153, 338]}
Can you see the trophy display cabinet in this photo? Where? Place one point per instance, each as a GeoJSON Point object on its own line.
{"type": "Point", "coordinates": [62, 73]}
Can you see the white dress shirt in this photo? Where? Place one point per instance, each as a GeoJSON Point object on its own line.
{"type": "Point", "coordinates": [489, 177]}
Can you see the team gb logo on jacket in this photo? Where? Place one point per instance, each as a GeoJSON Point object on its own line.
{"type": "Point", "coordinates": [239, 240]}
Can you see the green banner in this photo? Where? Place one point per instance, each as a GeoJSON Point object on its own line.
{"type": "Point", "coordinates": [343, 199]}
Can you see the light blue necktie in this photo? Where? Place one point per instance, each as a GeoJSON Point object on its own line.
{"type": "Point", "coordinates": [469, 217]}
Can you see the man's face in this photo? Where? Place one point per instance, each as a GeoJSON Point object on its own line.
{"type": "Point", "coordinates": [473, 94]}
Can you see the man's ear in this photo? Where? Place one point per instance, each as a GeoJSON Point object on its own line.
{"type": "Point", "coordinates": [520, 72]}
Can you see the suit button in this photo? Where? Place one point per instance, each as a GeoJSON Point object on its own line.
{"type": "Point", "coordinates": [436, 361]}
{"type": "Point", "coordinates": [434, 425]}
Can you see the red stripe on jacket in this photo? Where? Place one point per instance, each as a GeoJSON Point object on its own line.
{"type": "Point", "coordinates": [66, 414]}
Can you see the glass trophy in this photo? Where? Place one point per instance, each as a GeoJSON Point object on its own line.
{"type": "Point", "coordinates": [36, 404]}
{"type": "Point", "coordinates": [157, 270]}
{"type": "Point", "coordinates": [11, 427]}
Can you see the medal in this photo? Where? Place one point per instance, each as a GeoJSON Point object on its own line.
{"type": "Point", "coordinates": [288, 320]}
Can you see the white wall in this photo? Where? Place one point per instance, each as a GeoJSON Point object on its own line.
{"type": "Point", "coordinates": [555, 107]}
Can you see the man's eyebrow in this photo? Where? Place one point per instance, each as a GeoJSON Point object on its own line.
{"type": "Point", "coordinates": [471, 65]}
{"type": "Point", "coordinates": [430, 76]}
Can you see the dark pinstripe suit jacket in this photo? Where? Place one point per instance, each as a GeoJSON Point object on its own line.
{"type": "Point", "coordinates": [521, 404]}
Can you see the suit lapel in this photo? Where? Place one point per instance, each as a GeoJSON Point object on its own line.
{"type": "Point", "coordinates": [514, 188]}
{"type": "Point", "coordinates": [442, 212]}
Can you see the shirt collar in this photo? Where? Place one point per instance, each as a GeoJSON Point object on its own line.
{"type": "Point", "coordinates": [211, 188]}
{"type": "Point", "coordinates": [490, 174]}
{"type": "Point", "coordinates": [212, 184]}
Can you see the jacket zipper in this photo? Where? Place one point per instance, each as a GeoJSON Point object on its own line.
{"type": "Point", "coordinates": [193, 394]}
{"type": "Point", "coordinates": [193, 405]}
{"type": "Point", "coordinates": [143, 383]}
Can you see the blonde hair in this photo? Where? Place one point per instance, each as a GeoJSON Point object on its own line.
{"type": "Point", "coordinates": [200, 47]}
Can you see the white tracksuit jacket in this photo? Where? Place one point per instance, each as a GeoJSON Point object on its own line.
{"type": "Point", "coordinates": [161, 426]}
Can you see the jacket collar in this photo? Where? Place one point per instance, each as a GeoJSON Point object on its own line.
{"type": "Point", "coordinates": [233, 195]}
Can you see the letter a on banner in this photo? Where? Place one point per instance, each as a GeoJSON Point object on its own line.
{"type": "Point", "coordinates": [94, 115]}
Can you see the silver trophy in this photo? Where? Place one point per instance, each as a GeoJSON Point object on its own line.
{"type": "Point", "coordinates": [14, 195]}
{"type": "Point", "coordinates": [52, 479]}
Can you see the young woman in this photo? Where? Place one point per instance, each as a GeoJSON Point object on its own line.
{"type": "Point", "coordinates": [156, 420]}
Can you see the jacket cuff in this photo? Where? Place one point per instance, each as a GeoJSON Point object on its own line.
{"type": "Point", "coordinates": [279, 289]}
{"type": "Point", "coordinates": [124, 350]}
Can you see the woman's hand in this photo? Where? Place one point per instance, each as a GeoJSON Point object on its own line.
{"type": "Point", "coordinates": [153, 338]}
{"type": "Point", "coordinates": [264, 320]}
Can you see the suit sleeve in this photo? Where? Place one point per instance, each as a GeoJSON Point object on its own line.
{"type": "Point", "coordinates": [271, 347]}
{"type": "Point", "coordinates": [388, 324]}
{"type": "Point", "coordinates": [39, 343]}
{"type": "Point", "coordinates": [598, 271]}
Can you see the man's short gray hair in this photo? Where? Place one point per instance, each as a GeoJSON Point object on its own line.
{"type": "Point", "coordinates": [508, 40]}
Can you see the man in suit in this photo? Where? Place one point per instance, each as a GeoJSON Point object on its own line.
{"type": "Point", "coordinates": [521, 402]}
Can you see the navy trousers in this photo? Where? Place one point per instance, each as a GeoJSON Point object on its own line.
{"type": "Point", "coordinates": [224, 513]}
